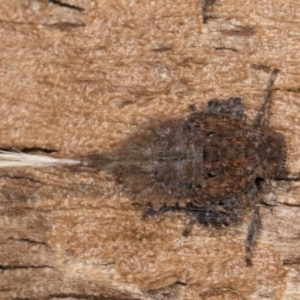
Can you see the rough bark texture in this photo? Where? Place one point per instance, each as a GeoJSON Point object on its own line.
{"type": "Point", "coordinates": [77, 77]}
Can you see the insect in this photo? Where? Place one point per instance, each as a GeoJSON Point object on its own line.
{"type": "Point", "coordinates": [201, 164]}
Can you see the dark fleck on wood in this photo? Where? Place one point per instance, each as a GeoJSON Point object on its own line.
{"type": "Point", "coordinates": [240, 31]}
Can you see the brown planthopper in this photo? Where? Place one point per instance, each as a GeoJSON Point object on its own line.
{"type": "Point", "coordinates": [201, 164]}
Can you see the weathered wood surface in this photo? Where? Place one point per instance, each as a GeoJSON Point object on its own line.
{"type": "Point", "coordinates": [78, 78]}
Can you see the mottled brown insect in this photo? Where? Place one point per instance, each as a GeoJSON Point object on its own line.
{"type": "Point", "coordinates": [202, 164]}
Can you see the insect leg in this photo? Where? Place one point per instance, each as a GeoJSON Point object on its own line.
{"type": "Point", "coordinates": [262, 113]}
{"type": "Point", "coordinates": [253, 224]}
{"type": "Point", "coordinates": [223, 213]}
{"type": "Point", "coordinates": [149, 212]}
{"type": "Point", "coordinates": [190, 225]}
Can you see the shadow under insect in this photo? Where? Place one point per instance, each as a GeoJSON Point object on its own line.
{"type": "Point", "coordinates": [201, 164]}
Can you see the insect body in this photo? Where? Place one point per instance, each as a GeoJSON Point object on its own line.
{"type": "Point", "coordinates": [201, 164]}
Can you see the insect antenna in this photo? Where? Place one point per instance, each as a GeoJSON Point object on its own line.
{"type": "Point", "coordinates": [262, 116]}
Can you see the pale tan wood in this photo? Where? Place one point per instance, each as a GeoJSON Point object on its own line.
{"type": "Point", "coordinates": [78, 79]}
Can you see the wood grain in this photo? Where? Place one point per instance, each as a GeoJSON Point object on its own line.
{"type": "Point", "coordinates": [79, 78]}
